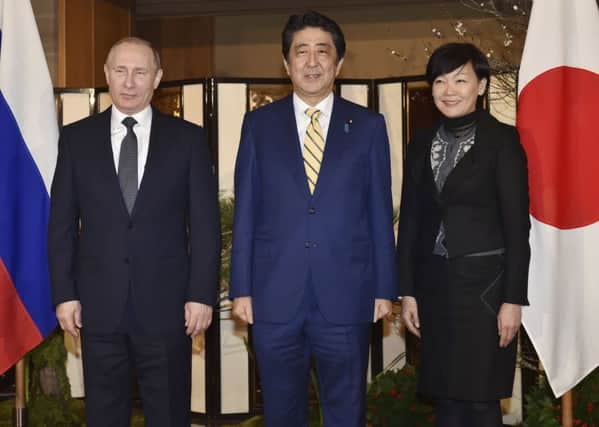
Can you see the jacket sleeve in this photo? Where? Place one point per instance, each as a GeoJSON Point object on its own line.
{"type": "Point", "coordinates": [246, 197]}
{"type": "Point", "coordinates": [409, 223]}
{"type": "Point", "coordinates": [204, 222]}
{"type": "Point", "coordinates": [381, 214]}
{"type": "Point", "coordinates": [63, 227]}
{"type": "Point", "coordinates": [512, 190]}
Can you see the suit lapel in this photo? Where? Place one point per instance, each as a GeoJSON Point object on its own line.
{"type": "Point", "coordinates": [467, 165]}
{"type": "Point", "coordinates": [422, 170]}
{"type": "Point", "coordinates": [333, 147]}
{"type": "Point", "coordinates": [463, 169]}
{"type": "Point", "coordinates": [102, 140]}
{"type": "Point", "coordinates": [150, 171]}
{"type": "Point", "coordinates": [427, 172]}
{"type": "Point", "coordinates": [290, 146]}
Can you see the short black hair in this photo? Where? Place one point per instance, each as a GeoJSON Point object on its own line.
{"type": "Point", "coordinates": [450, 56]}
{"type": "Point", "coordinates": [316, 20]}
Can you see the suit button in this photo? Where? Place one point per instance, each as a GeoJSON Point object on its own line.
{"type": "Point", "coordinates": [311, 211]}
{"type": "Point", "coordinates": [126, 260]}
{"type": "Point", "coordinates": [306, 244]}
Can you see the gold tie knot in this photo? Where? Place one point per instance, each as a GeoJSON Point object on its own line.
{"type": "Point", "coordinates": [313, 113]}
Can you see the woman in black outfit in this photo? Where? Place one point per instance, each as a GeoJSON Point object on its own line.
{"type": "Point", "coordinates": [463, 248]}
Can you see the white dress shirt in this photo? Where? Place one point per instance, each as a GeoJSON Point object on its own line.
{"type": "Point", "coordinates": [302, 120]}
{"type": "Point", "coordinates": [142, 132]}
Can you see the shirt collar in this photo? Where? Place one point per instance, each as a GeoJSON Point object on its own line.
{"type": "Point", "coordinates": [325, 106]}
{"type": "Point", "coordinates": [143, 118]}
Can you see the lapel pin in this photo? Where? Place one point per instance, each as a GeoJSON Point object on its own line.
{"type": "Point", "coordinates": [347, 124]}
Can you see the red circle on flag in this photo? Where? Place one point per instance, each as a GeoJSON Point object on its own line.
{"type": "Point", "coordinates": [558, 121]}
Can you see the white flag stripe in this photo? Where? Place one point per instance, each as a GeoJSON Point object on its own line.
{"type": "Point", "coordinates": [564, 313]}
{"type": "Point", "coordinates": [566, 33]}
{"type": "Point", "coordinates": [26, 85]}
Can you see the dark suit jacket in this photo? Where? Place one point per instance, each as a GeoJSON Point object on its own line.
{"type": "Point", "coordinates": [483, 205]}
{"type": "Point", "coordinates": [164, 254]}
{"type": "Point", "coordinates": [340, 238]}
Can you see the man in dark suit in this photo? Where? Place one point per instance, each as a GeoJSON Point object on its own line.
{"type": "Point", "coordinates": [313, 248]}
{"type": "Point", "coordinates": [134, 245]}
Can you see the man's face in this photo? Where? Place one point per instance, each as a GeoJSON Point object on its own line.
{"type": "Point", "coordinates": [312, 64]}
{"type": "Point", "coordinates": [132, 76]}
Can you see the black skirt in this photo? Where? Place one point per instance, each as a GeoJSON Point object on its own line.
{"type": "Point", "coordinates": [458, 300]}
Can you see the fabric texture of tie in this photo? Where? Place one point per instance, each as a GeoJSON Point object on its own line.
{"type": "Point", "coordinates": [127, 170]}
{"type": "Point", "coordinates": [313, 148]}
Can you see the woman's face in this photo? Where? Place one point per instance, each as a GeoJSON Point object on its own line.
{"type": "Point", "coordinates": [455, 93]}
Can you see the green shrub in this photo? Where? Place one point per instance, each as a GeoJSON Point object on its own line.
{"type": "Point", "coordinates": [544, 410]}
{"type": "Point", "coordinates": [392, 401]}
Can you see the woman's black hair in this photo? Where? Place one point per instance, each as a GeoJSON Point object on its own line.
{"type": "Point", "coordinates": [450, 56]}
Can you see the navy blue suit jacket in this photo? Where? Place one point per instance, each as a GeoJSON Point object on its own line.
{"type": "Point", "coordinates": [340, 239]}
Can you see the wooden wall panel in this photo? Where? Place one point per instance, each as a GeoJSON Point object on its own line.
{"type": "Point", "coordinates": [112, 21]}
{"type": "Point", "coordinates": [250, 46]}
{"type": "Point", "coordinates": [75, 46]}
{"type": "Point", "coordinates": [152, 8]}
{"type": "Point", "coordinates": [86, 30]}
{"type": "Point", "coordinates": [46, 16]}
{"type": "Point", "coordinates": [186, 45]}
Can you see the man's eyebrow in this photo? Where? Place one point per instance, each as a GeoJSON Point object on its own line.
{"type": "Point", "coordinates": [124, 67]}
{"type": "Point", "coordinates": [319, 44]}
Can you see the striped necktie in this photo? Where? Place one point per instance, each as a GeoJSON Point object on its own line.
{"type": "Point", "coordinates": [313, 148]}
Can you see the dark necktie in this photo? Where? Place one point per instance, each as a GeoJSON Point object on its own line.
{"type": "Point", "coordinates": [127, 170]}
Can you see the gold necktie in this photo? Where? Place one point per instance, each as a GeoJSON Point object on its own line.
{"type": "Point", "coordinates": [313, 148]}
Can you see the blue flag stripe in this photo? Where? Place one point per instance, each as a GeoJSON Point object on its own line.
{"type": "Point", "coordinates": [23, 222]}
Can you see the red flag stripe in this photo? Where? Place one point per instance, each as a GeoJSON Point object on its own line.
{"type": "Point", "coordinates": [14, 341]}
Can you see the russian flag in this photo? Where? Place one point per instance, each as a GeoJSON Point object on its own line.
{"type": "Point", "coordinates": [558, 119]}
{"type": "Point", "coordinates": [28, 150]}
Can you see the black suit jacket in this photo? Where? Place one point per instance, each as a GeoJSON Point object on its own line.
{"type": "Point", "coordinates": [164, 254]}
{"type": "Point", "coordinates": [483, 205]}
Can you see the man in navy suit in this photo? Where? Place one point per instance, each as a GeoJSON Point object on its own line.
{"type": "Point", "coordinates": [134, 245]}
{"type": "Point", "coordinates": [313, 248]}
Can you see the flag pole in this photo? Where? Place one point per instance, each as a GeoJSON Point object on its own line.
{"type": "Point", "coordinates": [20, 412]}
{"type": "Point", "coordinates": [567, 409]}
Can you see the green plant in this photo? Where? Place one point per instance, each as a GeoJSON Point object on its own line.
{"type": "Point", "coordinates": [227, 206]}
{"type": "Point", "coordinates": [544, 410]}
{"type": "Point", "coordinates": [392, 400]}
{"type": "Point", "coordinates": [50, 402]}
{"type": "Point", "coordinates": [6, 412]}
{"type": "Point", "coordinates": [586, 401]}
{"type": "Point", "coordinates": [541, 407]}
